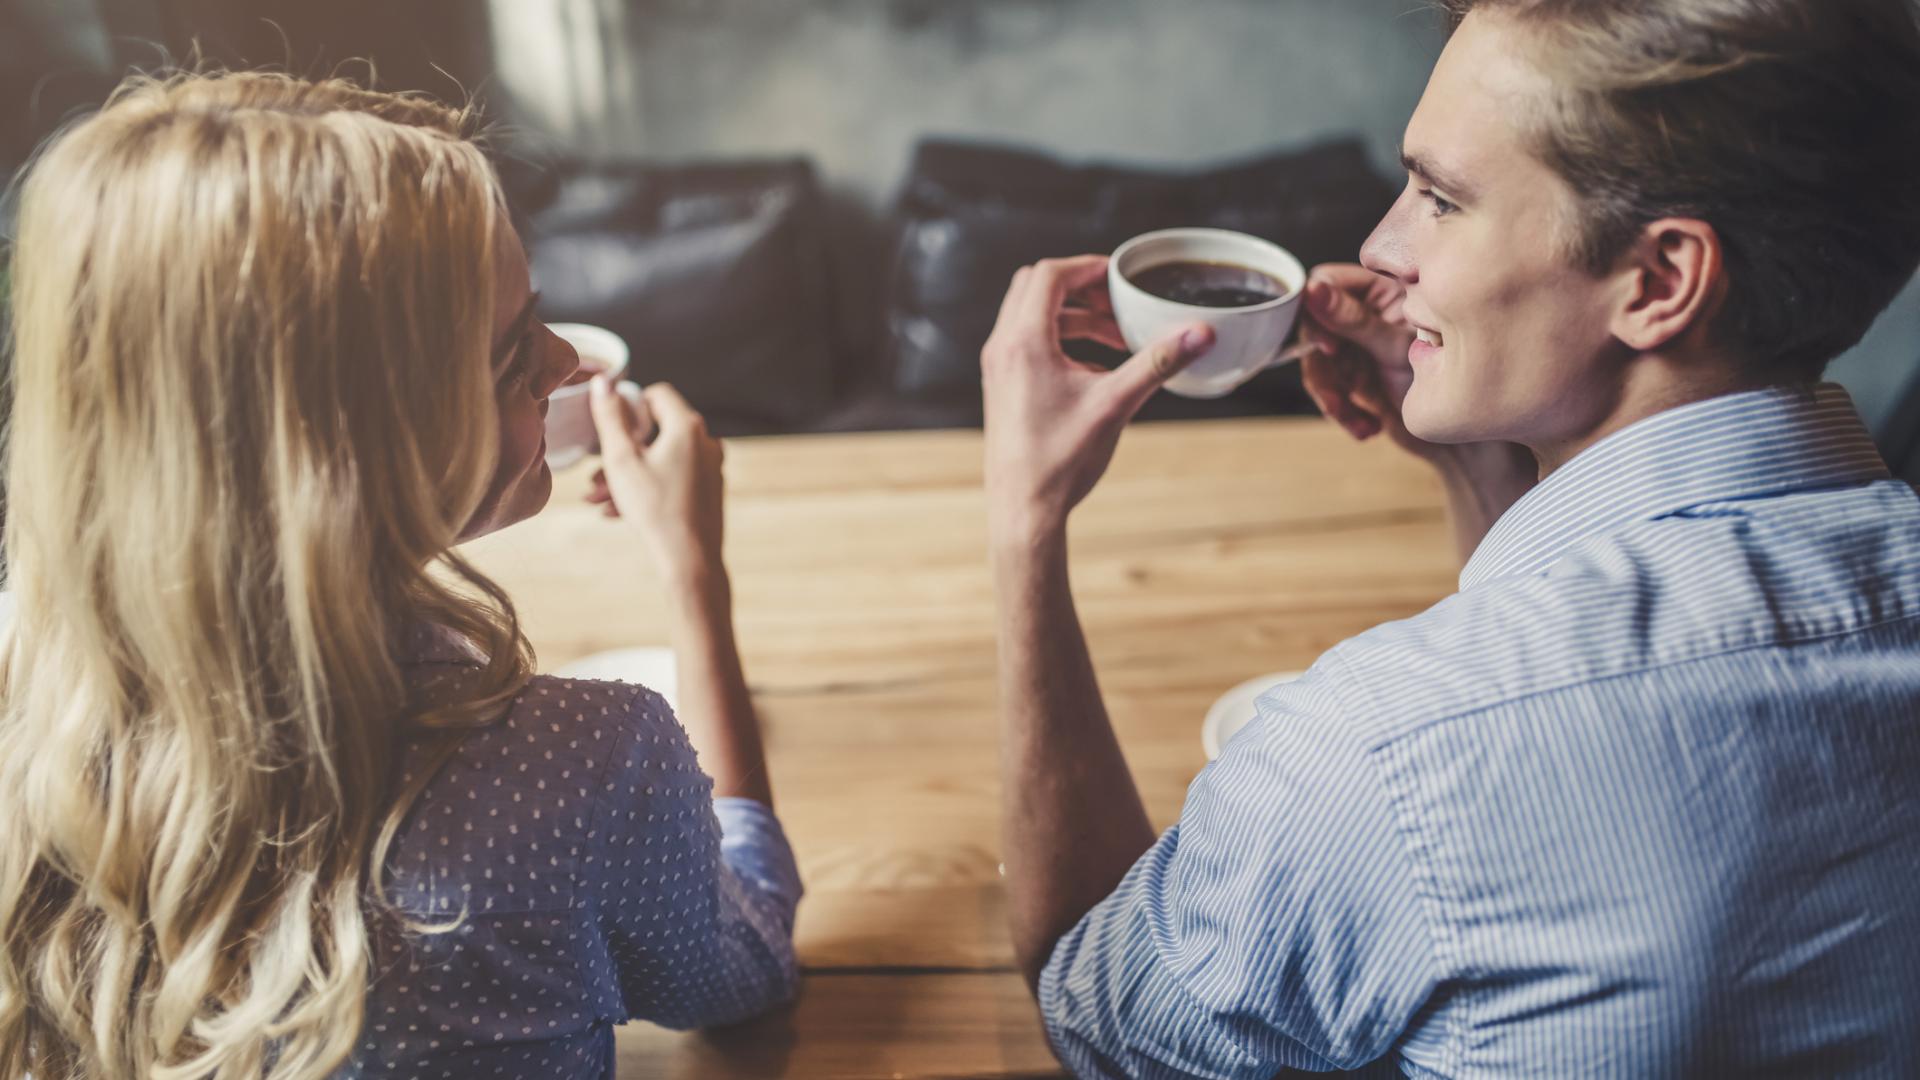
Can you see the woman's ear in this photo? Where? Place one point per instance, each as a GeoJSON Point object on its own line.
{"type": "Point", "coordinates": [1675, 283]}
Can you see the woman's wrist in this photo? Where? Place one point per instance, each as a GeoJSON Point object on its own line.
{"type": "Point", "coordinates": [697, 580]}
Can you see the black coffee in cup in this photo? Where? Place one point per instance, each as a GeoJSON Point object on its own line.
{"type": "Point", "coordinates": [1208, 284]}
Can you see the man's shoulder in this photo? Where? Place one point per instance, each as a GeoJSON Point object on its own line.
{"type": "Point", "coordinates": [1655, 594]}
{"type": "Point", "coordinates": [1501, 642]}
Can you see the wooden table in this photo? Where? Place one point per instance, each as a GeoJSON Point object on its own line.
{"type": "Point", "coordinates": [1212, 552]}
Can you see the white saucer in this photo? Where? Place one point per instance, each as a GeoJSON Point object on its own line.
{"type": "Point", "coordinates": [651, 667]}
{"type": "Point", "coordinates": [1235, 710]}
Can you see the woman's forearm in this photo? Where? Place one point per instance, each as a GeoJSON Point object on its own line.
{"type": "Point", "coordinates": [715, 707]}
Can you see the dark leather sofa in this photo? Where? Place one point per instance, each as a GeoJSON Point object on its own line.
{"type": "Point", "coordinates": [776, 305]}
{"type": "Point", "coordinates": [732, 280]}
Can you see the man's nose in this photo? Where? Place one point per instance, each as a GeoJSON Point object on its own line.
{"type": "Point", "coordinates": [1388, 251]}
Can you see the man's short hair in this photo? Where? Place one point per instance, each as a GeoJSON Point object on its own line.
{"type": "Point", "coordinates": [1790, 126]}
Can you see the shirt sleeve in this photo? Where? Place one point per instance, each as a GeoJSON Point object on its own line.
{"type": "Point", "coordinates": [695, 896]}
{"type": "Point", "coordinates": [1275, 926]}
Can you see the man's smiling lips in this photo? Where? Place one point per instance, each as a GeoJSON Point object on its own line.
{"type": "Point", "coordinates": [1426, 343]}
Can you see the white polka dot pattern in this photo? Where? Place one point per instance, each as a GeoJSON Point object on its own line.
{"type": "Point", "coordinates": [595, 880]}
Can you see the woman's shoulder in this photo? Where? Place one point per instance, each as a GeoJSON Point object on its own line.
{"type": "Point", "coordinates": [559, 724]}
{"type": "Point", "coordinates": [556, 701]}
{"type": "Point", "coordinates": [514, 814]}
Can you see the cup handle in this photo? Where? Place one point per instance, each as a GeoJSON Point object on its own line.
{"type": "Point", "coordinates": [1299, 350]}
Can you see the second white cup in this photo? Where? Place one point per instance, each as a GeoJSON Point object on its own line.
{"type": "Point", "coordinates": [570, 431]}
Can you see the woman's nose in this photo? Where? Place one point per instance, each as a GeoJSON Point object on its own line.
{"type": "Point", "coordinates": [566, 361]}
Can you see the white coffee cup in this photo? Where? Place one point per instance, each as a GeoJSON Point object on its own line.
{"type": "Point", "coordinates": [570, 431]}
{"type": "Point", "coordinates": [1247, 340]}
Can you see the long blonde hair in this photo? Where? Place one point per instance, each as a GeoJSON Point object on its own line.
{"type": "Point", "coordinates": [253, 408]}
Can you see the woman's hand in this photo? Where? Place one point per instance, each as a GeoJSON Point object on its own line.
{"type": "Point", "coordinates": [671, 488]}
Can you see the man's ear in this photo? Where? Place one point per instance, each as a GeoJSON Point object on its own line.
{"type": "Point", "coordinates": [1674, 280]}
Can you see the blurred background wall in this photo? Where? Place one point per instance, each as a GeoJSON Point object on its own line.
{"type": "Point", "coordinates": [853, 83]}
{"type": "Point", "coordinates": [849, 85]}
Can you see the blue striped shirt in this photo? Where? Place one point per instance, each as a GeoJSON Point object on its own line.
{"type": "Point", "coordinates": [1641, 799]}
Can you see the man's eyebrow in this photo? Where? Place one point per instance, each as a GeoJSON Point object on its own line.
{"type": "Point", "coordinates": [1425, 169]}
{"type": "Point", "coordinates": [504, 349]}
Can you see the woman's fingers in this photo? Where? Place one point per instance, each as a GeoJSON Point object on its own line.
{"type": "Point", "coordinates": [599, 493]}
{"type": "Point", "coordinates": [614, 422]}
{"type": "Point", "coordinates": [671, 411]}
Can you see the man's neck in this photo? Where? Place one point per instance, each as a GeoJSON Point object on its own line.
{"type": "Point", "coordinates": [1652, 383]}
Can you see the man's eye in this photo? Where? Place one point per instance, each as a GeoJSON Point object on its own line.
{"type": "Point", "coordinates": [1441, 207]}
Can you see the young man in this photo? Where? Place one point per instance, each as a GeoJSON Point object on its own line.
{"type": "Point", "coordinates": [1643, 797]}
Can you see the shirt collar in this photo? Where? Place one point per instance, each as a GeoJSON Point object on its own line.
{"type": "Point", "coordinates": [1740, 446]}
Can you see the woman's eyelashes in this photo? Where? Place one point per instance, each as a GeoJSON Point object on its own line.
{"type": "Point", "coordinates": [520, 368]}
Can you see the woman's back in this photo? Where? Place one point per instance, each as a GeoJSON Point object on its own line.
{"type": "Point", "coordinates": [276, 356]}
{"type": "Point", "coordinates": [600, 882]}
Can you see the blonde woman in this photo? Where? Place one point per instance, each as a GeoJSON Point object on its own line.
{"type": "Point", "coordinates": [281, 794]}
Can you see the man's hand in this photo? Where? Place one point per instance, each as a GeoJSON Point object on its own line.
{"type": "Point", "coordinates": [1073, 820]}
{"type": "Point", "coordinates": [1359, 376]}
{"type": "Point", "coordinates": [1052, 421]}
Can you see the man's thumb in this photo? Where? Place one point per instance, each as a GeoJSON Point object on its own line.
{"type": "Point", "coordinates": [1149, 369]}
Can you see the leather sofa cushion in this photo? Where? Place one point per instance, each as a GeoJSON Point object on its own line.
{"type": "Point", "coordinates": [969, 215]}
{"type": "Point", "coordinates": [716, 275]}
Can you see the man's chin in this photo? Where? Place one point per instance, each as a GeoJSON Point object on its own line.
{"type": "Point", "coordinates": [1421, 419]}
{"type": "Point", "coordinates": [1438, 422]}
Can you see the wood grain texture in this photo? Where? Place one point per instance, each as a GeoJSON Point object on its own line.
{"type": "Point", "coordinates": [861, 1026]}
{"type": "Point", "coordinates": [1211, 553]}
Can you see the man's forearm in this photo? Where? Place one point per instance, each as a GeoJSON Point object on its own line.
{"type": "Point", "coordinates": [1073, 821]}
{"type": "Point", "coordinates": [715, 706]}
